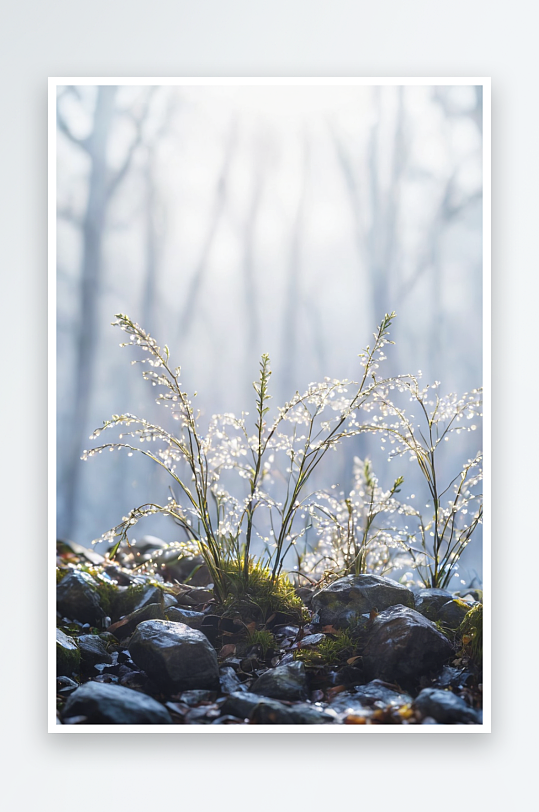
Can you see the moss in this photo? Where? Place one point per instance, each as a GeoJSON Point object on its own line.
{"type": "Point", "coordinates": [471, 633]}
{"type": "Point", "coordinates": [260, 596]}
{"type": "Point", "coordinates": [331, 651]}
{"type": "Point", "coordinates": [262, 638]}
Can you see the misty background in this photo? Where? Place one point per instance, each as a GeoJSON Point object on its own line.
{"type": "Point", "coordinates": [232, 221]}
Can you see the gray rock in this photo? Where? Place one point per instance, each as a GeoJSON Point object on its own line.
{"type": "Point", "coordinates": [229, 681]}
{"type": "Point", "coordinates": [378, 691]}
{"type": "Point", "coordinates": [195, 596]}
{"type": "Point", "coordinates": [445, 708]}
{"type": "Point", "coordinates": [264, 711]}
{"type": "Point", "coordinates": [77, 598]}
{"type": "Point", "coordinates": [92, 651]}
{"type": "Point", "coordinates": [67, 655]}
{"type": "Point", "coordinates": [429, 601]}
{"type": "Point", "coordinates": [375, 694]}
{"type": "Point", "coordinates": [283, 682]}
{"type": "Point", "coordinates": [175, 656]}
{"type": "Point", "coordinates": [130, 599]}
{"type": "Point", "coordinates": [453, 613]}
{"type": "Point", "coordinates": [344, 601]}
{"type": "Point", "coordinates": [403, 645]}
{"type": "Point", "coordinates": [66, 685]}
{"type": "Point", "coordinates": [187, 616]}
{"type": "Point", "coordinates": [108, 704]}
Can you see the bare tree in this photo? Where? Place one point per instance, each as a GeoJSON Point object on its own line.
{"type": "Point", "coordinates": [103, 182]}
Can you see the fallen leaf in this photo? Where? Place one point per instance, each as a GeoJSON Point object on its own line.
{"type": "Point", "coordinates": [227, 651]}
{"type": "Point", "coordinates": [331, 692]}
{"type": "Point", "coordinates": [353, 659]}
{"type": "Point", "coordinates": [354, 719]}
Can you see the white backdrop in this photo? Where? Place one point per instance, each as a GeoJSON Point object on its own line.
{"type": "Point", "coordinates": [285, 37]}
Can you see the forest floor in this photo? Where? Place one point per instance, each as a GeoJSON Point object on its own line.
{"type": "Point", "coordinates": [135, 648]}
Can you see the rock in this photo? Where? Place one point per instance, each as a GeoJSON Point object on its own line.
{"type": "Point", "coordinates": [67, 655]}
{"type": "Point", "coordinates": [195, 596]}
{"type": "Point", "coordinates": [196, 697]}
{"type": "Point", "coordinates": [187, 616]}
{"type": "Point", "coordinates": [108, 704]}
{"type": "Point", "coordinates": [429, 601]}
{"type": "Point", "coordinates": [453, 613]}
{"type": "Point", "coordinates": [264, 711]}
{"type": "Point", "coordinates": [344, 601]}
{"type": "Point", "coordinates": [445, 708]}
{"type": "Point", "coordinates": [93, 651]}
{"type": "Point", "coordinates": [451, 677]}
{"type": "Point", "coordinates": [65, 685]}
{"type": "Point", "coordinates": [311, 640]}
{"type": "Point", "coordinates": [127, 625]}
{"type": "Point", "coordinates": [381, 692]}
{"type": "Point", "coordinates": [175, 656]}
{"type": "Point", "coordinates": [184, 568]}
{"type": "Point", "coordinates": [230, 683]}
{"type": "Point", "coordinates": [130, 599]}
{"type": "Point", "coordinates": [283, 682]}
{"type": "Point", "coordinates": [403, 646]}
{"type": "Point", "coordinates": [305, 593]}
{"type": "Point", "coordinates": [77, 597]}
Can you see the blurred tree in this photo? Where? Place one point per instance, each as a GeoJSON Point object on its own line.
{"type": "Point", "coordinates": [103, 182]}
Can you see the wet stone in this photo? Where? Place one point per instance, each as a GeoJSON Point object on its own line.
{"type": "Point", "coordinates": [187, 616]}
{"type": "Point", "coordinates": [65, 686]}
{"type": "Point", "coordinates": [175, 656]}
{"type": "Point", "coordinates": [453, 613]}
{"type": "Point", "coordinates": [67, 655]}
{"type": "Point", "coordinates": [265, 711]}
{"type": "Point", "coordinates": [229, 681]}
{"type": "Point", "coordinates": [93, 651]}
{"type": "Point", "coordinates": [283, 682]}
{"type": "Point", "coordinates": [428, 602]}
{"type": "Point", "coordinates": [132, 598]}
{"type": "Point", "coordinates": [445, 707]}
{"type": "Point", "coordinates": [77, 598]}
{"type": "Point", "coordinates": [382, 692]}
{"type": "Point", "coordinates": [345, 601]}
{"type": "Point", "coordinates": [103, 703]}
{"type": "Point", "coordinates": [403, 646]}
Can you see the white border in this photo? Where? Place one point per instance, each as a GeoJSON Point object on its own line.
{"type": "Point", "coordinates": [53, 83]}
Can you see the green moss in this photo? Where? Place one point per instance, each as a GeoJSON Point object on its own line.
{"type": "Point", "coordinates": [471, 633]}
{"type": "Point", "coordinates": [260, 596]}
{"type": "Point", "coordinates": [262, 638]}
{"type": "Point", "coordinates": [331, 651]}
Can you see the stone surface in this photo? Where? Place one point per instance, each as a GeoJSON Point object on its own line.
{"type": "Point", "coordinates": [283, 682]}
{"type": "Point", "coordinates": [230, 683]}
{"type": "Point", "coordinates": [77, 598]}
{"type": "Point", "coordinates": [264, 711]}
{"type": "Point", "coordinates": [445, 707]}
{"type": "Point", "coordinates": [428, 602]}
{"type": "Point", "coordinates": [92, 651]}
{"type": "Point", "coordinates": [67, 655]}
{"type": "Point", "coordinates": [403, 646]}
{"type": "Point", "coordinates": [175, 656]}
{"type": "Point", "coordinates": [103, 703]}
{"type": "Point", "coordinates": [453, 613]}
{"type": "Point", "coordinates": [187, 616]}
{"type": "Point", "coordinates": [132, 598]}
{"type": "Point", "coordinates": [344, 601]}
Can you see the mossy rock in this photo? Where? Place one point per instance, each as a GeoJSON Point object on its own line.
{"type": "Point", "coordinates": [471, 634]}
{"type": "Point", "coordinates": [67, 655]}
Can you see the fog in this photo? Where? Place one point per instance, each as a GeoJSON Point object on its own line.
{"type": "Point", "coordinates": [233, 221]}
